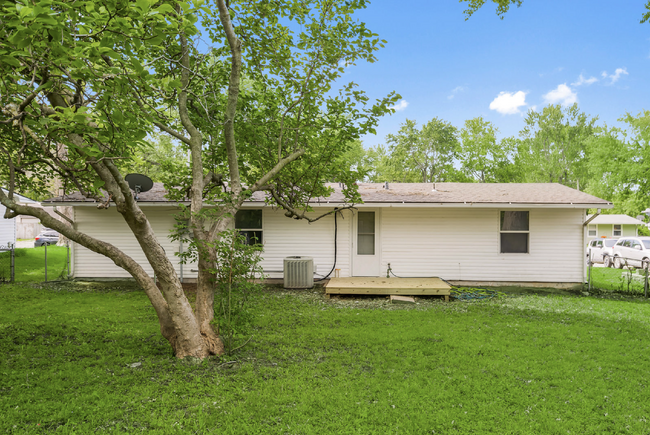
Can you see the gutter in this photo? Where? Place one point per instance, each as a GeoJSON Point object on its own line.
{"type": "Point", "coordinates": [592, 217]}
{"type": "Point", "coordinates": [585, 264]}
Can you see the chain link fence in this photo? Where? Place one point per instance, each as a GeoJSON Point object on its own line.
{"type": "Point", "coordinates": [634, 275]}
{"type": "Point", "coordinates": [38, 264]}
{"type": "Point", "coordinates": [7, 264]}
{"type": "Point", "coordinates": [57, 268]}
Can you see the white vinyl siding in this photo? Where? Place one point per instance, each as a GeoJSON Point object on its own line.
{"type": "Point", "coordinates": [282, 237]}
{"type": "Point", "coordinates": [7, 229]}
{"type": "Point", "coordinates": [463, 244]}
{"type": "Point", "coordinates": [454, 244]}
{"type": "Point", "coordinates": [109, 226]}
{"type": "Point", "coordinates": [285, 237]}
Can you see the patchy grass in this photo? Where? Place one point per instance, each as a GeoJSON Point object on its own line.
{"type": "Point", "coordinates": [517, 365]}
{"type": "Point", "coordinates": [30, 263]}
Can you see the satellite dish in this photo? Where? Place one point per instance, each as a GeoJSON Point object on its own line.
{"type": "Point", "coordinates": [139, 183]}
{"type": "Point", "coordinates": [640, 217]}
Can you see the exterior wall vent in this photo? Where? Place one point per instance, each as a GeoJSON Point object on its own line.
{"type": "Point", "coordinates": [298, 272]}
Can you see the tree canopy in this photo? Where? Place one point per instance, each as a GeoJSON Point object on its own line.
{"type": "Point", "coordinates": [252, 99]}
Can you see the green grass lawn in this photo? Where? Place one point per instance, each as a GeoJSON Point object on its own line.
{"type": "Point", "coordinates": [30, 263]}
{"type": "Point", "coordinates": [521, 365]}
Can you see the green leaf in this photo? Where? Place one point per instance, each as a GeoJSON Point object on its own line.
{"type": "Point", "coordinates": [165, 8]}
{"type": "Point", "coordinates": [24, 11]}
{"type": "Point", "coordinates": [10, 61]}
{"type": "Point", "coordinates": [98, 184]}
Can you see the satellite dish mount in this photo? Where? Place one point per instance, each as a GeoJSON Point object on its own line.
{"type": "Point", "coordinates": [139, 183]}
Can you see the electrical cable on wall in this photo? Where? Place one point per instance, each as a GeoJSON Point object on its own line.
{"type": "Point", "coordinates": [336, 211]}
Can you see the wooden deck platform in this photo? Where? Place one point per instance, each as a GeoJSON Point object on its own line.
{"type": "Point", "coordinates": [388, 286]}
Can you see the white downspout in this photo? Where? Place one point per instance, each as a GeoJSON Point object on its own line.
{"type": "Point", "coordinates": [584, 244]}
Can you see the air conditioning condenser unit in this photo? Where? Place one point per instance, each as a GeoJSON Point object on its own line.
{"type": "Point", "coordinates": [298, 272]}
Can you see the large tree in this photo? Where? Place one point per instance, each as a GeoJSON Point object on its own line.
{"type": "Point", "coordinates": [482, 157]}
{"type": "Point", "coordinates": [415, 155]}
{"type": "Point", "coordinates": [553, 148]}
{"type": "Point", "coordinates": [84, 84]}
{"type": "Point", "coordinates": [619, 164]}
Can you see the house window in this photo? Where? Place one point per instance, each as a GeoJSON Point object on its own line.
{"type": "Point", "coordinates": [366, 233]}
{"type": "Point", "coordinates": [593, 231]}
{"type": "Point", "coordinates": [249, 224]}
{"type": "Point", "coordinates": [514, 232]}
{"type": "Point", "coordinates": [618, 232]}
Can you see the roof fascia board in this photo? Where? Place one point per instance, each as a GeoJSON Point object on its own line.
{"type": "Point", "coordinates": [258, 204]}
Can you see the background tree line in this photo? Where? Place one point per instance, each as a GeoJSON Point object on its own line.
{"type": "Point", "coordinates": [557, 145]}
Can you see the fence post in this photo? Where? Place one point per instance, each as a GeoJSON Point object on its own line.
{"type": "Point", "coordinates": [13, 264]}
{"type": "Point", "coordinates": [645, 282]}
{"type": "Point", "coordinates": [45, 246]}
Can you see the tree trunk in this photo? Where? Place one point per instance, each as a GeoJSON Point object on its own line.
{"type": "Point", "coordinates": [204, 308]}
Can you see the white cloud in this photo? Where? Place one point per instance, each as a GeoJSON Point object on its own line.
{"type": "Point", "coordinates": [616, 76]}
{"type": "Point", "coordinates": [508, 103]}
{"type": "Point", "coordinates": [583, 81]}
{"type": "Point", "coordinates": [562, 94]}
{"type": "Point", "coordinates": [455, 91]}
{"type": "Point", "coordinates": [400, 106]}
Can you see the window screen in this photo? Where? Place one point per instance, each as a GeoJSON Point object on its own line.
{"type": "Point", "coordinates": [617, 231]}
{"type": "Point", "coordinates": [366, 233]}
{"type": "Point", "coordinates": [593, 231]}
{"type": "Point", "coordinates": [249, 224]}
{"type": "Point", "coordinates": [514, 232]}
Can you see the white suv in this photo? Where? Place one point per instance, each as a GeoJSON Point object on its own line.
{"type": "Point", "coordinates": [632, 251]}
{"type": "Point", "coordinates": [601, 251]}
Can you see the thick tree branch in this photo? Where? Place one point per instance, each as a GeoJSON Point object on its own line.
{"type": "Point", "coordinates": [301, 214]}
{"type": "Point", "coordinates": [233, 95]}
{"type": "Point", "coordinates": [276, 169]}
{"type": "Point", "coordinates": [117, 256]}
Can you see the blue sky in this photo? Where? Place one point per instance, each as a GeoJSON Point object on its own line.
{"type": "Point", "coordinates": [590, 51]}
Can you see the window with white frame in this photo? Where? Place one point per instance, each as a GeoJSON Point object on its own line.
{"type": "Point", "coordinates": [618, 231]}
{"type": "Point", "coordinates": [593, 231]}
{"type": "Point", "coordinates": [514, 232]}
{"type": "Point", "coordinates": [249, 224]}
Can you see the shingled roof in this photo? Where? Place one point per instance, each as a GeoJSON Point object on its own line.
{"type": "Point", "coordinates": [614, 219]}
{"type": "Point", "coordinates": [475, 193]}
{"type": "Point", "coordinates": [420, 193]}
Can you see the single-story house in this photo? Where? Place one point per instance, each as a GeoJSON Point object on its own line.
{"type": "Point", "coordinates": [8, 227]}
{"type": "Point", "coordinates": [461, 232]}
{"type": "Point", "coordinates": [612, 226]}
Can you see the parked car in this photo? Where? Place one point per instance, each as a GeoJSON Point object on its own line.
{"type": "Point", "coordinates": [601, 251]}
{"type": "Point", "coordinates": [632, 251]}
{"type": "Point", "coordinates": [46, 237]}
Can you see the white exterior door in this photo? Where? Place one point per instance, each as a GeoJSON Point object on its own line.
{"type": "Point", "coordinates": [365, 252]}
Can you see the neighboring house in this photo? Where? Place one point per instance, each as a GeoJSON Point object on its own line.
{"type": "Point", "coordinates": [462, 232]}
{"type": "Point", "coordinates": [8, 227]}
{"type": "Point", "coordinates": [612, 226]}
{"type": "Point", "coordinates": [28, 227]}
